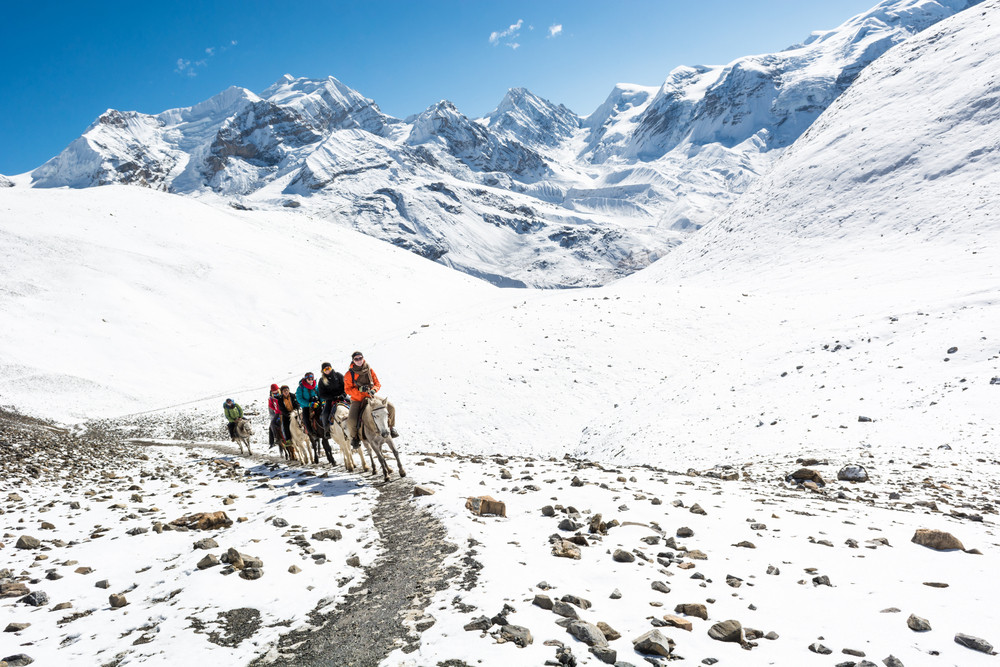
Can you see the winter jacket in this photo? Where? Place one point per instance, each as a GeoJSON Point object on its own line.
{"type": "Point", "coordinates": [233, 413]}
{"type": "Point", "coordinates": [356, 377]}
{"type": "Point", "coordinates": [273, 405]}
{"type": "Point", "coordinates": [288, 404]}
{"type": "Point", "coordinates": [330, 387]}
{"type": "Point", "coordinates": [306, 393]}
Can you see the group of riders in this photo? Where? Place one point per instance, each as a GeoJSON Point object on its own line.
{"type": "Point", "coordinates": [318, 400]}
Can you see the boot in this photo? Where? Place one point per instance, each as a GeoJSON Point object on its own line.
{"type": "Point", "coordinates": [393, 432]}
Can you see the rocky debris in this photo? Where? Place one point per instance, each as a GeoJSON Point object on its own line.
{"type": "Point", "coordinates": [588, 633]}
{"type": "Point", "coordinates": [486, 505]}
{"type": "Point", "coordinates": [696, 509]}
{"type": "Point", "coordinates": [16, 627]}
{"type": "Point", "coordinates": [103, 583]}
{"type": "Point", "coordinates": [892, 661]}
{"type": "Point", "coordinates": [609, 633]}
{"type": "Point", "coordinates": [479, 623]}
{"type": "Point", "coordinates": [117, 600]}
{"type": "Point", "coordinates": [803, 475]}
{"type": "Point", "coordinates": [565, 549]}
{"type": "Point", "coordinates": [564, 609]}
{"type": "Point", "coordinates": [206, 544]}
{"type": "Point", "coordinates": [543, 601]}
{"type": "Point", "coordinates": [654, 642]}
{"type": "Point", "coordinates": [28, 542]}
{"type": "Point", "coordinates": [520, 636]}
{"type": "Point", "coordinates": [422, 491]}
{"type": "Point", "coordinates": [853, 473]}
{"type": "Point", "coordinates": [18, 660]}
{"type": "Point", "coordinates": [975, 643]}
{"type": "Point", "coordinates": [203, 521]}
{"type": "Point", "coordinates": [622, 556]}
{"type": "Point", "coordinates": [605, 654]}
{"type": "Point", "coordinates": [13, 589]}
{"type": "Point", "coordinates": [35, 599]}
{"type": "Point", "coordinates": [684, 532]}
{"type": "Point", "coordinates": [678, 622]}
{"type": "Point", "coordinates": [211, 560]}
{"type": "Point", "coordinates": [819, 648]}
{"type": "Point", "coordinates": [328, 534]}
{"type": "Point", "coordinates": [918, 624]}
{"type": "Point", "coordinates": [936, 539]}
{"type": "Point", "coordinates": [727, 631]}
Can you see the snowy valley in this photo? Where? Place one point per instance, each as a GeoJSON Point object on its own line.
{"type": "Point", "coordinates": [677, 450]}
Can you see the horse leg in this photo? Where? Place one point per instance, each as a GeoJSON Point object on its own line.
{"type": "Point", "coordinates": [399, 463]}
{"type": "Point", "coordinates": [381, 460]}
{"type": "Point", "coordinates": [328, 451]}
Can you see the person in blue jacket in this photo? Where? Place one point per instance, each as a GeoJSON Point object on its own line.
{"type": "Point", "coordinates": [306, 395]}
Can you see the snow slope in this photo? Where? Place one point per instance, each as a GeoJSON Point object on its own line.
{"type": "Point", "coordinates": [532, 194]}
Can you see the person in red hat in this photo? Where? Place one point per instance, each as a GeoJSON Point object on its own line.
{"type": "Point", "coordinates": [275, 433]}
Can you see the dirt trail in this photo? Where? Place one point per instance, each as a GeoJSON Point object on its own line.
{"type": "Point", "coordinates": [385, 611]}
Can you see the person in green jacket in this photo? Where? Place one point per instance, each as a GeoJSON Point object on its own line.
{"type": "Point", "coordinates": [233, 412]}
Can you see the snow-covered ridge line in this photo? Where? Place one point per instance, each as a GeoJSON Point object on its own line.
{"type": "Point", "coordinates": [532, 194]}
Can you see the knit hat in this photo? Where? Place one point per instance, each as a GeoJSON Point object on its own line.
{"type": "Point", "coordinates": [355, 354]}
{"type": "Point", "coordinates": [274, 387]}
{"type": "Point", "coordinates": [325, 365]}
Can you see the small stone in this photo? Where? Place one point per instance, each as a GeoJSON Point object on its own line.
{"type": "Point", "coordinates": [328, 534]}
{"type": "Point", "coordinates": [211, 560]}
{"type": "Point", "coordinates": [479, 623]}
{"type": "Point", "coordinates": [892, 661]}
{"type": "Point", "coordinates": [623, 556]}
{"type": "Point", "coordinates": [564, 609]}
{"type": "Point", "coordinates": [819, 648]}
{"type": "Point", "coordinates": [605, 654]}
{"type": "Point", "coordinates": [251, 573]}
{"type": "Point", "coordinates": [616, 594]}
{"type": "Point", "coordinates": [678, 622]}
{"type": "Point", "coordinates": [918, 624]}
{"type": "Point", "coordinates": [206, 543]}
{"type": "Point", "coordinates": [13, 589]}
{"type": "Point", "coordinates": [354, 561]}
{"type": "Point", "coordinates": [936, 539]}
{"type": "Point", "coordinates": [294, 569]}
{"type": "Point", "coordinates": [116, 600]}
{"type": "Point", "coordinates": [609, 633]}
{"type": "Point", "coordinates": [654, 642]}
{"type": "Point", "coordinates": [548, 510]}
{"type": "Point", "coordinates": [578, 601]}
{"type": "Point", "coordinates": [103, 583]}
{"type": "Point", "coordinates": [695, 609]}
{"type": "Point", "coordinates": [696, 509]}
{"type": "Point", "coordinates": [520, 636]}
{"type": "Point", "coordinates": [543, 601]}
{"type": "Point", "coordinates": [16, 627]}
{"type": "Point", "coordinates": [588, 633]}
{"type": "Point", "coordinates": [727, 631]}
{"type": "Point", "coordinates": [28, 542]}
{"type": "Point", "coordinates": [684, 531]}
{"type": "Point", "coordinates": [975, 643]}
{"type": "Point", "coordinates": [660, 586]}
{"type": "Point", "coordinates": [422, 491]}
{"type": "Point", "coordinates": [18, 660]}
{"type": "Point", "coordinates": [35, 599]}
{"type": "Point", "coordinates": [84, 570]}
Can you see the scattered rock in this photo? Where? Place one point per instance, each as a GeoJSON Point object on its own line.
{"type": "Point", "coordinates": [678, 622]}
{"type": "Point", "coordinates": [609, 633]}
{"type": "Point", "coordinates": [623, 556]}
{"type": "Point", "coordinates": [975, 643]}
{"type": "Point", "coordinates": [479, 623]}
{"type": "Point", "coordinates": [16, 627]}
{"type": "Point", "coordinates": [564, 609]}
{"type": "Point", "coordinates": [294, 569]}
{"type": "Point", "coordinates": [206, 543]}
{"type": "Point", "coordinates": [853, 473]}
{"type": "Point", "coordinates": [803, 475]}
{"type": "Point", "coordinates": [35, 599]}
{"type": "Point", "coordinates": [328, 534]}
{"type": "Point", "coordinates": [565, 549]}
{"type": "Point", "coordinates": [483, 505]}
{"type": "Point", "coordinates": [654, 642]}
{"type": "Point", "coordinates": [13, 589]}
{"type": "Point", "coordinates": [543, 601]}
{"type": "Point", "coordinates": [696, 509]}
{"type": "Point", "coordinates": [727, 631]}
{"type": "Point", "coordinates": [211, 560]}
{"type": "Point", "coordinates": [117, 600]}
{"type": "Point", "coordinates": [697, 610]}
{"type": "Point", "coordinates": [918, 624]}
{"type": "Point", "coordinates": [103, 583]}
{"type": "Point", "coordinates": [203, 521]}
{"type": "Point", "coordinates": [936, 539]}
{"type": "Point", "coordinates": [28, 542]}
{"type": "Point", "coordinates": [422, 491]}
{"type": "Point", "coordinates": [819, 648]}
{"type": "Point", "coordinates": [588, 633]}
{"type": "Point", "coordinates": [517, 634]}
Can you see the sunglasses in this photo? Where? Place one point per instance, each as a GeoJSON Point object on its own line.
{"type": "Point", "coordinates": [309, 376]}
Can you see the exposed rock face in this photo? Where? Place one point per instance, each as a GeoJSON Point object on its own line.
{"type": "Point", "coordinates": [5, 182]}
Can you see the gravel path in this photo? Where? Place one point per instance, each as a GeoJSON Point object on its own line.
{"type": "Point", "coordinates": [386, 610]}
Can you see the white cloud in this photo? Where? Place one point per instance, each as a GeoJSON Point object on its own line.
{"type": "Point", "coordinates": [187, 67]}
{"type": "Point", "coordinates": [497, 37]}
{"type": "Point", "coordinates": [555, 30]}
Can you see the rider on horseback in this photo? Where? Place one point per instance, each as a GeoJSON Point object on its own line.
{"type": "Point", "coordinates": [233, 412]}
{"type": "Point", "coordinates": [360, 382]}
{"type": "Point", "coordinates": [330, 388]}
{"type": "Point", "coordinates": [306, 395]}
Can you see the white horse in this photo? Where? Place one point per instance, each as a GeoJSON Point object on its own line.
{"type": "Point", "coordinates": [375, 418]}
{"type": "Point", "coordinates": [301, 445]}
{"type": "Point", "coordinates": [243, 433]}
{"type": "Point", "coordinates": [338, 429]}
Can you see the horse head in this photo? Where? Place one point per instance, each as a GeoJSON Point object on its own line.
{"type": "Point", "coordinates": [379, 414]}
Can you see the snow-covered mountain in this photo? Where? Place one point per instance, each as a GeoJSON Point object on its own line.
{"type": "Point", "coordinates": [531, 194]}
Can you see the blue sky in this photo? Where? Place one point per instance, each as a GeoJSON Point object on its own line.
{"type": "Point", "coordinates": [64, 63]}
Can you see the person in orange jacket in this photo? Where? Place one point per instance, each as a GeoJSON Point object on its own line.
{"type": "Point", "coordinates": [360, 382]}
